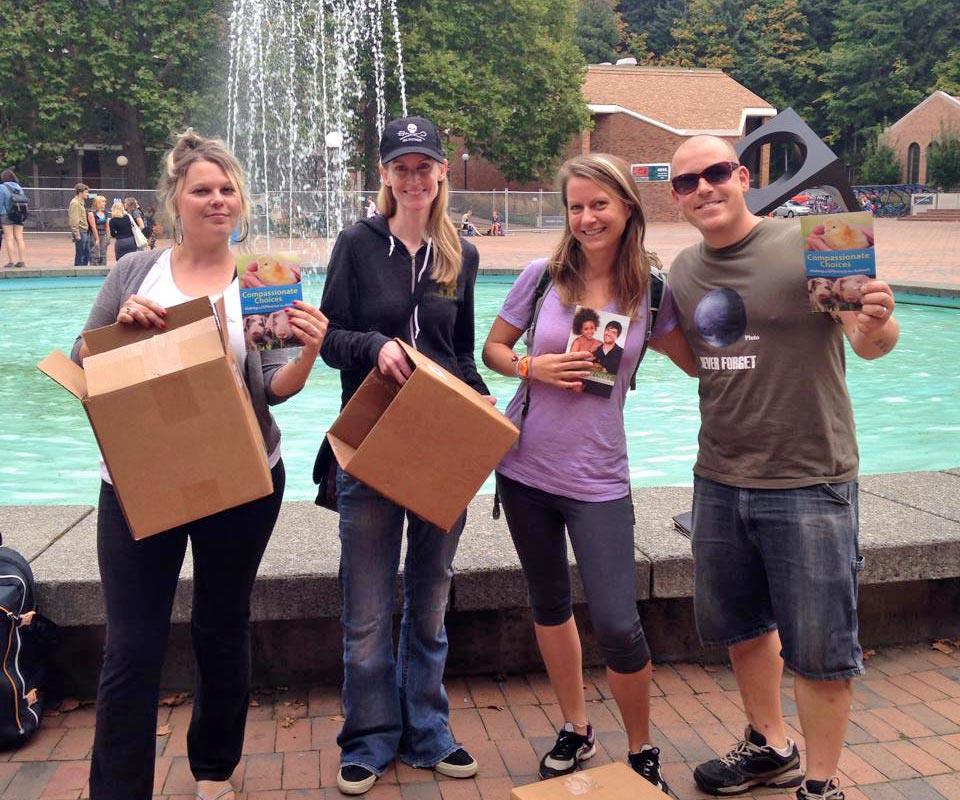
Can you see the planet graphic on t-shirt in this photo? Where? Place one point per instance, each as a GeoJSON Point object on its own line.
{"type": "Point", "coordinates": [720, 317]}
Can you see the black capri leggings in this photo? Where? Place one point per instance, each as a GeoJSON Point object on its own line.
{"type": "Point", "coordinates": [602, 539]}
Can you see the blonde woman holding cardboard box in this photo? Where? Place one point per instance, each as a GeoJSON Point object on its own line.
{"type": "Point", "coordinates": [379, 268]}
{"type": "Point", "coordinates": [203, 190]}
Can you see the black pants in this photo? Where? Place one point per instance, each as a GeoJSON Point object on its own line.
{"type": "Point", "coordinates": [139, 581]}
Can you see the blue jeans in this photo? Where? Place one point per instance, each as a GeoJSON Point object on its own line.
{"type": "Point", "coordinates": [81, 250]}
{"type": "Point", "coordinates": [780, 559]}
{"type": "Point", "coordinates": [392, 706]}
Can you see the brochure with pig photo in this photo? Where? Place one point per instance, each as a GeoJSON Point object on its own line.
{"type": "Point", "coordinates": [269, 283]}
{"type": "Point", "coordinates": [839, 257]}
{"type": "Point", "coordinates": [603, 334]}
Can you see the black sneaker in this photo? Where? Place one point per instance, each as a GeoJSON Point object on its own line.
{"type": "Point", "coordinates": [751, 763]}
{"type": "Point", "coordinates": [829, 791]}
{"type": "Point", "coordinates": [646, 763]}
{"type": "Point", "coordinates": [459, 764]}
{"type": "Point", "coordinates": [570, 749]}
{"type": "Point", "coordinates": [354, 779]}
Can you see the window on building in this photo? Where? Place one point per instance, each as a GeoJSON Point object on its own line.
{"type": "Point", "coordinates": [913, 163]}
{"type": "Point", "coordinates": [930, 149]}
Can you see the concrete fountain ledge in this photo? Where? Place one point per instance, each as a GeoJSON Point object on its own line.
{"type": "Point", "coordinates": [910, 588]}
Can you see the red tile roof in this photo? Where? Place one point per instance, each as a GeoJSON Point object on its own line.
{"type": "Point", "coordinates": [683, 100]}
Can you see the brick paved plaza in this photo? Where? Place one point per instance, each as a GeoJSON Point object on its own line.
{"type": "Point", "coordinates": [903, 740]}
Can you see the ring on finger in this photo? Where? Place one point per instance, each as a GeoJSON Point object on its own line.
{"type": "Point", "coordinates": [127, 310]}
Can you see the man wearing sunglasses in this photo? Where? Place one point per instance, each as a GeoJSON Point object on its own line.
{"type": "Point", "coordinates": [775, 518]}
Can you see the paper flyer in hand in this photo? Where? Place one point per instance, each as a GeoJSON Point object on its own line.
{"type": "Point", "coordinates": [269, 283]}
{"type": "Point", "coordinates": [603, 334]}
{"type": "Point", "coordinates": [839, 257]}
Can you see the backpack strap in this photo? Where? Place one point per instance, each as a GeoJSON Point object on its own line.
{"type": "Point", "coordinates": [539, 295]}
{"type": "Point", "coordinates": [655, 293]}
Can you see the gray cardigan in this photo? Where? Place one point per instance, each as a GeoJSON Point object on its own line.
{"type": "Point", "coordinates": [125, 279]}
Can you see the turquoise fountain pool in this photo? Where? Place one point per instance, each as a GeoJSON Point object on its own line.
{"type": "Point", "coordinates": [907, 404]}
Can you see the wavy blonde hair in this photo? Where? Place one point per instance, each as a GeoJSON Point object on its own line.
{"type": "Point", "coordinates": [447, 253]}
{"type": "Point", "coordinates": [190, 148]}
{"type": "Point", "coordinates": [117, 209]}
{"type": "Point", "coordinates": [632, 265]}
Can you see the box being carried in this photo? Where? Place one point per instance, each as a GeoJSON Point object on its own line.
{"type": "Point", "coordinates": [427, 445]}
{"type": "Point", "coordinates": [609, 782]}
{"type": "Point", "coordinates": [172, 417]}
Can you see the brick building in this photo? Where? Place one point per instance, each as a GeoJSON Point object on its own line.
{"type": "Point", "coordinates": [911, 135]}
{"type": "Point", "coordinates": [642, 114]}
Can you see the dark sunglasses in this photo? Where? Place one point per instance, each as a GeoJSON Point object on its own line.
{"type": "Point", "coordinates": [715, 174]}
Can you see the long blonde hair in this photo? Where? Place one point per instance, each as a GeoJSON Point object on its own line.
{"type": "Point", "coordinates": [632, 265]}
{"type": "Point", "coordinates": [447, 254]}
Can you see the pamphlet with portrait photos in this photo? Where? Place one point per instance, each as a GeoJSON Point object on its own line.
{"type": "Point", "coordinates": [603, 334]}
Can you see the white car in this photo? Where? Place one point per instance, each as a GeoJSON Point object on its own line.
{"type": "Point", "coordinates": [791, 209]}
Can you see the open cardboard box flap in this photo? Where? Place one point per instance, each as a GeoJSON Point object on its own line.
{"type": "Point", "coordinates": [62, 370]}
{"type": "Point", "coordinates": [427, 445]}
{"type": "Point", "coordinates": [110, 337]}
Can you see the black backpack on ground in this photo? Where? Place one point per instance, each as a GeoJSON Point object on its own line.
{"type": "Point", "coordinates": [26, 639]}
{"type": "Point", "coordinates": [19, 205]}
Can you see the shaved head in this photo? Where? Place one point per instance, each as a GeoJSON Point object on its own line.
{"type": "Point", "coordinates": [722, 148]}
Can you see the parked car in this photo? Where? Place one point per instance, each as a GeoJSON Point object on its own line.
{"type": "Point", "coordinates": [791, 208]}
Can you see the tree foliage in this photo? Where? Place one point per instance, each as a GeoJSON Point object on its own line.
{"type": "Point", "coordinates": [943, 160]}
{"type": "Point", "coordinates": [505, 76]}
{"type": "Point", "coordinates": [598, 30]}
{"type": "Point", "coordinates": [880, 166]}
{"type": "Point", "coordinates": [125, 71]}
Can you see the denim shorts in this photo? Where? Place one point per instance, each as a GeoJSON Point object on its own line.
{"type": "Point", "coordinates": [780, 559]}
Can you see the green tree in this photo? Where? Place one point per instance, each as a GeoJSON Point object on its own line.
{"type": "Point", "coordinates": [946, 73]}
{"type": "Point", "coordinates": [882, 63]}
{"type": "Point", "coordinates": [709, 36]}
{"type": "Point", "coordinates": [654, 19]}
{"type": "Point", "coordinates": [780, 61]}
{"type": "Point", "coordinates": [505, 76]}
{"type": "Point", "coordinates": [126, 72]}
{"type": "Point", "coordinates": [598, 30]}
{"type": "Point", "coordinates": [943, 160]}
{"type": "Point", "coordinates": [880, 166]}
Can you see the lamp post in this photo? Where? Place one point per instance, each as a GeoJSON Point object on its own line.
{"type": "Point", "coordinates": [466, 158]}
{"type": "Point", "coordinates": [122, 162]}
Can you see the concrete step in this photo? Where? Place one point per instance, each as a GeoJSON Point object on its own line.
{"type": "Point", "coordinates": [934, 215]}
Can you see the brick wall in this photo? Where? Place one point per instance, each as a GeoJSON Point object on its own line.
{"type": "Point", "coordinates": [922, 126]}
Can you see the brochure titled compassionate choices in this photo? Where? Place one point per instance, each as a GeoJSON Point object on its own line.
{"type": "Point", "coordinates": [839, 257]}
{"type": "Point", "coordinates": [269, 283]}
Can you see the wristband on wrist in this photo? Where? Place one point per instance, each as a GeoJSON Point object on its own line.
{"type": "Point", "coordinates": [523, 368]}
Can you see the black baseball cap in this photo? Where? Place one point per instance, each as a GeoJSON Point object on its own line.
{"type": "Point", "coordinates": [410, 135]}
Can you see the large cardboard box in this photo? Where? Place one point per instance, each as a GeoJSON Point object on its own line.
{"type": "Point", "coordinates": [172, 416]}
{"type": "Point", "coordinates": [427, 445]}
{"type": "Point", "coordinates": [610, 782]}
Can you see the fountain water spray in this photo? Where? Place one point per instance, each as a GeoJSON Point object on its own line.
{"type": "Point", "coordinates": [300, 70]}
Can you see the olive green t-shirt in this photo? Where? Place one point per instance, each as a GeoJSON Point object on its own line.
{"type": "Point", "coordinates": [774, 407]}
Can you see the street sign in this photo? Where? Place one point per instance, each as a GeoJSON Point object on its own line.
{"type": "Point", "coordinates": [645, 173]}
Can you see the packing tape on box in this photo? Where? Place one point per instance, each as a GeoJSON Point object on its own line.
{"type": "Point", "coordinates": [198, 497]}
{"type": "Point", "coordinates": [579, 783]}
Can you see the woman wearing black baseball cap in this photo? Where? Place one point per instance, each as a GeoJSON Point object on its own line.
{"type": "Point", "coordinates": [401, 273]}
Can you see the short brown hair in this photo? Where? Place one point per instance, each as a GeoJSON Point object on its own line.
{"type": "Point", "coordinates": [80, 188]}
{"type": "Point", "coordinates": [8, 175]}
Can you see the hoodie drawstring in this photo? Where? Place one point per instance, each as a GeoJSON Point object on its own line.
{"type": "Point", "coordinates": [416, 309]}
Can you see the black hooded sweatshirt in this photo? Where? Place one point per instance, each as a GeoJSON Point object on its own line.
{"type": "Point", "coordinates": [369, 285]}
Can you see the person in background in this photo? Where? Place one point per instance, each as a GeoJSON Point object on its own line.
{"type": "Point", "coordinates": [120, 227]}
{"type": "Point", "coordinates": [568, 474]}
{"type": "Point", "coordinates": [79, 226]}
{"type": "Point", "coordinates": [371, 208]}
{"type": "Point", "coordinates": [150, 227]}
{"type": "Point", "coordinates": [97, 224]}
{"type": "Point", "coordinates": [202, 187]}
{"type": "Point", "coordinates": [397, 706]}
{"type": "Point", "coordinates": [11, 221]}
{"type": "Point", "coordinates": [496, 226]}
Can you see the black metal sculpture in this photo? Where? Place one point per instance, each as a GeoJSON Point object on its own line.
{"type": "Point", "coordinates": [819, 165]}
